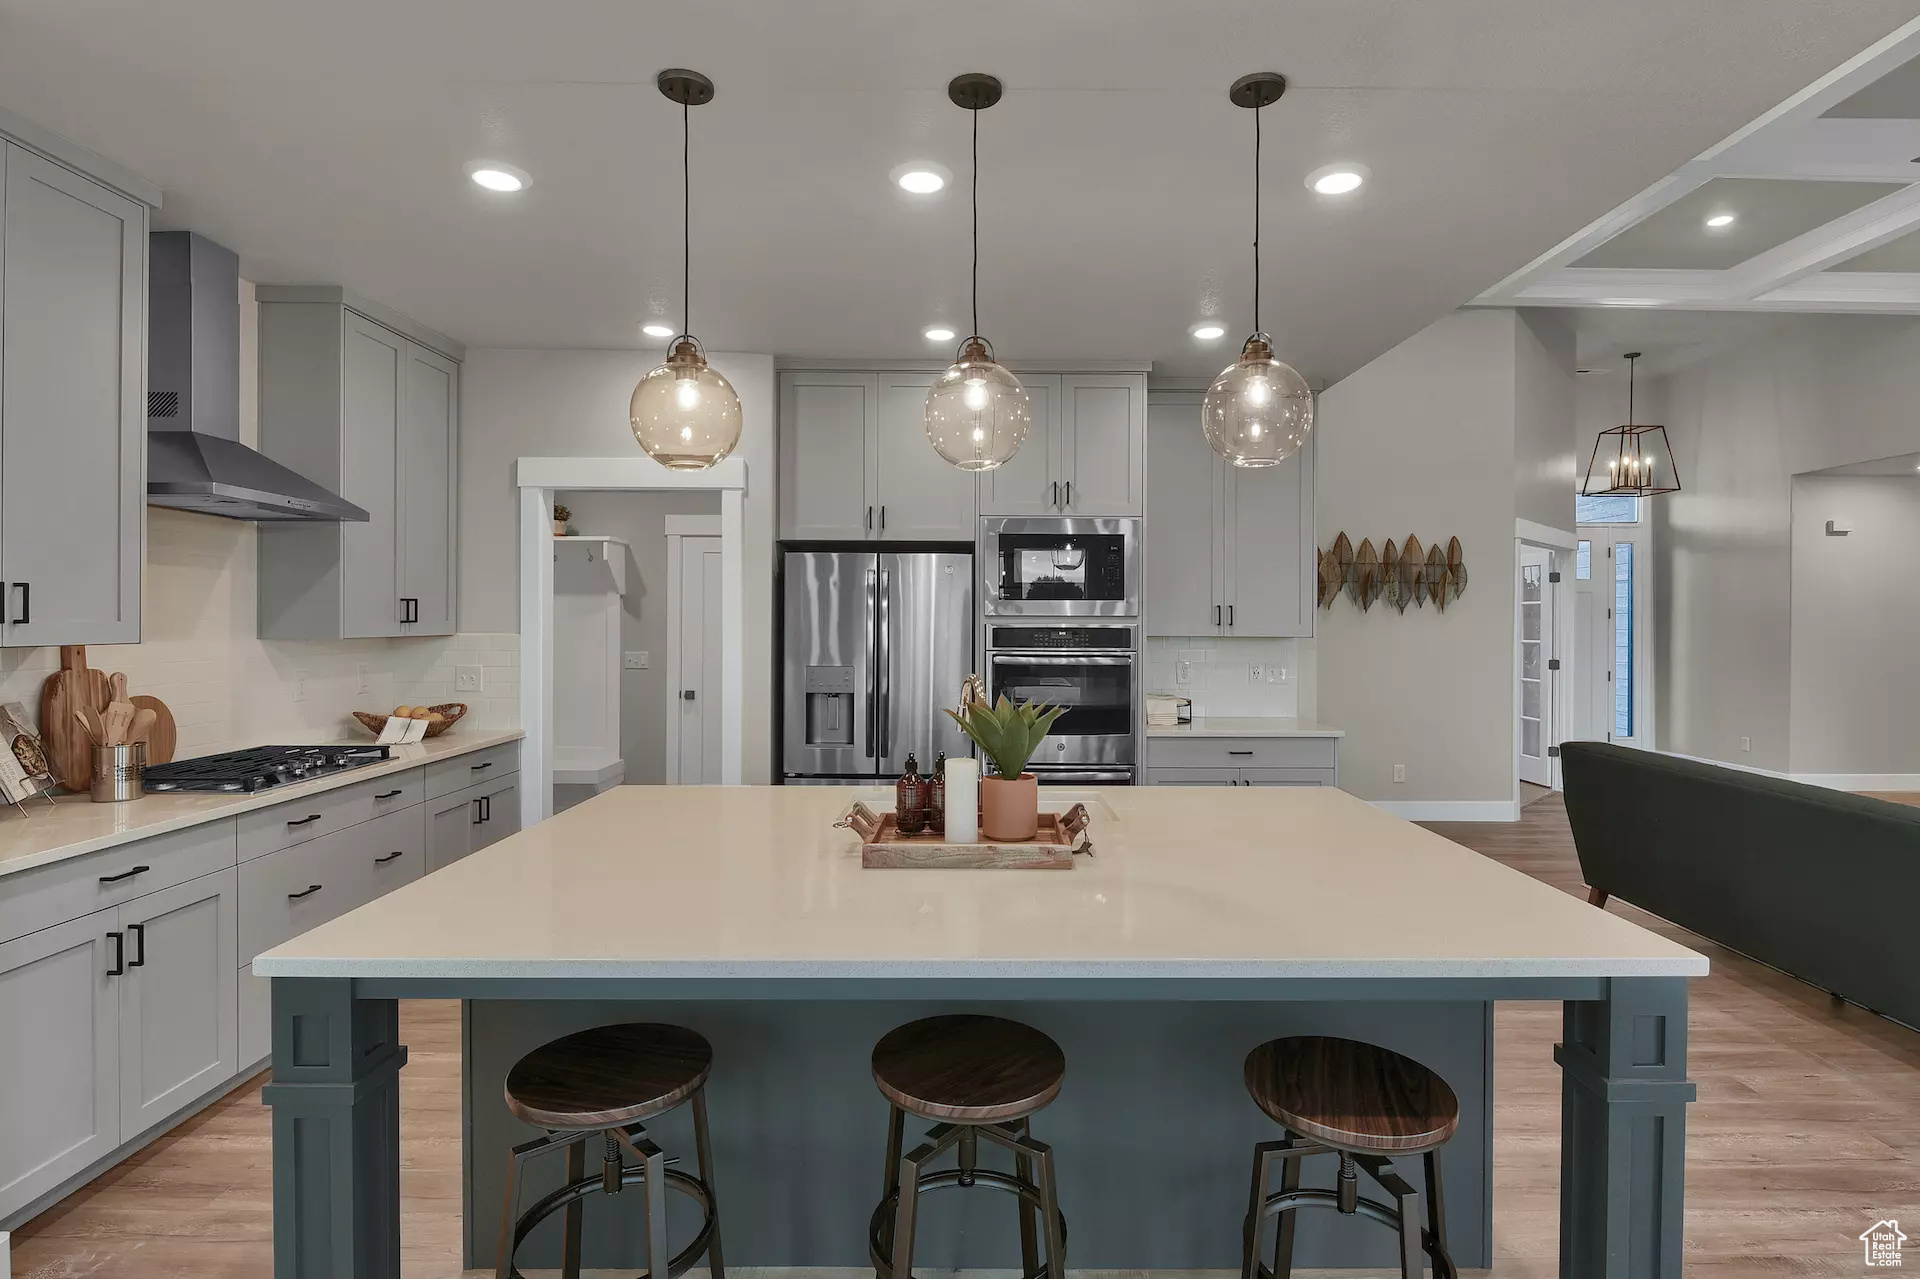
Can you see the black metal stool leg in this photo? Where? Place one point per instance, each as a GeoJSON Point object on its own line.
{"type": "Point", "coordinates": [890, 1179]}
{"type": "Point", "coordinates": [570, 1245]}
{"type": "Point", "coordinates": [1284, 1227]}
{"type": "Point", "coordinates": [1437, 1218]}
{"type": "Point", "coordinates": [703, 1151]}
{"type": "Point", "coordinates": [1256, 1200]}
{"type": "Point", "coordinates": [1029, 1223]}
{"type": "Point", "coordinates": [1050, 1224]}
{"type": "Point", "coordinates": [909, 1179]}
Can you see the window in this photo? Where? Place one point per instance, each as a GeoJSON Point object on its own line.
{"type": "Point", "coordinates": [1623, 639]}
{"type": "Point", "coordinates": [1583, 561]}
{"type": "Point", "coordinates": [1623, 508]}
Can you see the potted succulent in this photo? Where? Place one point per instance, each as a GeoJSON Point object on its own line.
{"type": "Point", "coordinates": [560, 517]}
{"type": "Point", "coordinates": [1008, 734]}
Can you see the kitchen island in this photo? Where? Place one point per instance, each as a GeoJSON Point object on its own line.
{"type": "Point", "coordinates": [1207, 921]}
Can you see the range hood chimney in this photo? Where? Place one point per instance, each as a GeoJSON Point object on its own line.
{"type": "Point", "coordinates": [195, 460]}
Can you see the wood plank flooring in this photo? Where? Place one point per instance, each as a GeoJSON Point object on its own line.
{"type": "Point", "coordinates": [1807, 1131]}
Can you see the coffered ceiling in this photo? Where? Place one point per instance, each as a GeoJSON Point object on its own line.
{"type": "Point", "coordinates": [326, 142]}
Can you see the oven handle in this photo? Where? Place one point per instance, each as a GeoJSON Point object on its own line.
{"type": "Point", "coordinates": [1055, 657]}
{"type": "Point", "coordinates": [1083, 775]}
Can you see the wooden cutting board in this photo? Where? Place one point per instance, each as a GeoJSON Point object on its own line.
{"type": "Point", "coordinates": [164, 737]}
{"type": "Point", "coordinates": [73, 686]}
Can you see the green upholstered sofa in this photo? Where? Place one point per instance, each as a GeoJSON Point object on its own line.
{"type": "Point", "coordinates": [1818, 883]}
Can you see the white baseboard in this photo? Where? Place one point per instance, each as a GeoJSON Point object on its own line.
{"type": "Point", "coordinates": [1861, 781]}
{"type": "Point", "coordinates": [1451, 810]}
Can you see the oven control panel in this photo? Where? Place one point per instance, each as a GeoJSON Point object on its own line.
{"type": "Point", "coordinates": [1073, 638]}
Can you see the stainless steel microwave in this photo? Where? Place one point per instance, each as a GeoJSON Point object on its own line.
{"type": "Point", "coordinates": [1056, 566]}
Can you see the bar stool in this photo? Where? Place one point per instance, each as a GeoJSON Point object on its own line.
{"type": "Point", "coordinates": [1364, 1104]}
{"type": "Point", "coordinates": [603, 1083]}
{"type": "Point", "coordinates": [977, 1078]}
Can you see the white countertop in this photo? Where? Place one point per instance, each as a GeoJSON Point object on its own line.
{"type": "Point", "coordinates": [74, 824]}
{"type": "Point", "coordinates": [1244, 726]}
{"type": "Point", "coordinates": [754, 882]}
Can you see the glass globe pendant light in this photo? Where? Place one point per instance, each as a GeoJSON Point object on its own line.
{"type": "Point", "coordinates": [1259, 411]}
{"type": "Point", "coordinates": [685, 413]}
{"type": "Point", "coordinates": [978, 414]}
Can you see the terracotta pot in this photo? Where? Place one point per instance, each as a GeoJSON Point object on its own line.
{"type": "Point", "coordinates": [559, 528]}
{"type": "Point", "coordinates": [1009, 809]}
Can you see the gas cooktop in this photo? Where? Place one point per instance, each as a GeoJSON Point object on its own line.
{"type": "Point", "coordinates": [260, 768]}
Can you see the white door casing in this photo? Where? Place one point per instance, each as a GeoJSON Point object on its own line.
{"type": "Point", "coordinates": [693, 624]}
{"type": "Point", "coordinates": [1533, 704]}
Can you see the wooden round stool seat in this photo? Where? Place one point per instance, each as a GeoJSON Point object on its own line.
{"type": "Point", "coordinates": [1352, 1096]}
{"type": "Point", "coordinates": [608, 1076]}
{"type": "Point", "coordinates": [968, 1069]}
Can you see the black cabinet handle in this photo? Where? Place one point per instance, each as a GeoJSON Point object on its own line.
{"type": "Point", "coordinates": [309, 891]}
{"type": "Point", "coordinates": [382, 861]}
{"type": "Point", "coordinates": [1069, 492]}
{"type": "Point", "coordinates": [478, 803]}
{"type": "Point", "coordinates": [869, 519]}
{"type": "Point", "coordinates": [388, 794]}
{"type": "Point", "coordinates": [883, 519]}
{"type": "Point", "coordinates": [409, 609]}
{"type": "Point", "coordinates": [26, 603]}
{"type": "Point", "coordinates": [486, 808]}
{"type": "Point", "coordinates": [125, 874]}
{"type": "Point", "coordinates": [1229, 616]}
{"type": "Point", "coordinates": [119, 955]}
{"type": "Point", "coordinates": [139, 932]}
{"type": "Point", "coordinates": [1239, 752]}
{"type": "Point", "coordinates": [474, 768]}
{"type": "Point", "coordinates": [1216, 615]}
{"type": "Point", "coordinates": [1056, 494]}
{"type": "Point", "coordinates": [302, 821]}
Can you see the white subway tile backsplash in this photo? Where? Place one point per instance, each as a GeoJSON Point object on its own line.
{"type": "Point", "coordinates": [1219, 673]}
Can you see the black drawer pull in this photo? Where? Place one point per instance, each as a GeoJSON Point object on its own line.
{"type": "Point", "coordinates": [1239, 752]}
{"type": "Point", "coordinates": [119, 955]}
{"type": "Point", "coordinates": [139, 959]}
{"type": "Point", "coordinates": [474, 768]}
{"type": "Point", "coordinates": [308, 892]}
{"type": "Point", "coordinates": [125, 874]}
{"type": "Point", "coordinates": [26, 604]}
{"type": "Point", "coordinates": [389, 794]}
{"type": "Point", "coordinates": [302, 821]}
{"type": "Point", "coordinates": [382, 861]}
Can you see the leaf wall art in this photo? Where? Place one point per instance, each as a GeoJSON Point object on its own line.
{"type": "Point", "coordinates": [1402, 573]}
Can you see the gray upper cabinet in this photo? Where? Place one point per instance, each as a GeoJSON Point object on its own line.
{"type": "Point", "coordinates": [1229, 550]}
{"type": "Point", "coordinates": [367, 404]}
{"type": "Point", "coordinates": [1087, 452]}
{"type": "Point", "coordinates": [72, 420]}
{"type": "Point", "coordinates": [855, 463]}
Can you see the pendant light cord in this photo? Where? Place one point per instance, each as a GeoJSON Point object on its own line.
{"type": "Point", "coordinates": [1630, 364]}
{"type": "Point", "coordinates": [1256, 219]}
{"type": "Point", "coordinates": [686, 217]}
{"type": "Point", "coordinates": [976, 221]}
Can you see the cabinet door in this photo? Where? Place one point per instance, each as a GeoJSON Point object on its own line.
{"type": "Point", "coordinates": [59, 1055]}
{"type": "Point", "coordinates": [179, 1010]}
{"type": "Point", "coordinates": [1028, 483]}
{"type": "Point", "coordinates": [72, 425]}
{"type": "Point", "coordinates": [429, 434]}
{"type": "Point", "coordinates": [1181, 531]}
{"type": "Point", "coordinates": [373, 381]}
{"type": "Point", "coordinates": [1269, 547]}
{"type": "Point", "coordinates": [1102, 451]}
{"type": "Point", "coordinates": [450, 828]}
{"type": "Point", "coordinates": [499, 815]}
{"type": "Point", "coordinates": [922, 497]}
{"type": "Point", "coordinates": [1193, 777]}
{"type": "Point", "coordinates": [828, 462]}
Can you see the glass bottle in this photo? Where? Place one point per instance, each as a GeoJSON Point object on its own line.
{"type": "Point", "coordinates": [937, 796]}
{"type": "Point", "coordinates": [910, 799]}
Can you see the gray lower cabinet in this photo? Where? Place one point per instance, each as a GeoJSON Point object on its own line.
{"type": "Point", "coordinates": [366, 404]}
{"type": "Point", "coordinates": [1243, 761]}
{"type": "Point", "coordinates": [178, 1033]}
{"type": "Point", "coordinates": [72, 412]}
{"type": "Point", "coordinates": [472, 818]}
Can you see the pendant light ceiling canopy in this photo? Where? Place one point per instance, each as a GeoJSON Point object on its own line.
{"type": "Point", "coordinates": [978, 414]}
{"type": "Point", "coordinates": [685, 413]}
{"type": "Point", "coordinates": [1259, 411]}
{"type": "Point", "coordinates": [1631, 460]}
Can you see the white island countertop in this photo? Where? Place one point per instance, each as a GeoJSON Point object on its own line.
{"type": "Point", "coordinates": [1244, 726]}
{"type": "Point", "coordinates": [74, 825]}
{"type": "Point", "coordinates": [755, 882]}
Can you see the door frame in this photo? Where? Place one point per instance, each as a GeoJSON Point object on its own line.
{"type": "Point", "coordinates": [1640, 534]}
{"type": "Point", "coordinates": [1561, 543]}
{"type": "Point", "coordinates": [679, 528]}
{"type": "Point", "coordinates": [538, 478]}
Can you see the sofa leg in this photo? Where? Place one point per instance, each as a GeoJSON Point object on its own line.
{"type": "Point", "coordinates": [1597, 897]}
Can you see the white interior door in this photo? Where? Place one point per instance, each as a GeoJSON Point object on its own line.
{"type": "Point", "coordinates": [1609, 628]}
{"type": "Point", "coordinates": [1535, 703]}
{"type": "Point", "coordinates": [696, 621]}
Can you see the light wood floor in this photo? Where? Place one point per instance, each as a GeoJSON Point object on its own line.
{"type": "Point", "coordinates": [1807, 1131]}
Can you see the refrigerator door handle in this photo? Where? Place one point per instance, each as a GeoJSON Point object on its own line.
{"type": "Point", "coordinates": [873, 705]}
{"type": "Point", "coordinates": [883, 669]}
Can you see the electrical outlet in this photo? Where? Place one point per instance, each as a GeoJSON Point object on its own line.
{"type": "Point", "coordinates": [1183, 672]}
{"type": "Point", "coordinates": [1746, 743]}
{"type": "Point", "coordinates": [469, 679]}
{"type": "Point", "coordinates": [1399, 772]}
{"type": "Point", "coordinates": [1256, 673]}
{"type": "Point", "coordinates": [364, 682]}
{"type": "Point", "coordinates": [638, 660]}
{"type": "Point", "coordinates": [299, 686]}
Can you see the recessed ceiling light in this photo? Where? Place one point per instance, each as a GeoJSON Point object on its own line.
{"type": "Point", "coordinates": [939, 333]}
{"type": "Point", "coordinates": [1208, 332]}
{"type": "Point", "coordinates": [1629, 301]}
{"type": "Point", "coordinates": [1720, 221]}
{"type": "Point", "coordinates": [657, 330]}
{"type": "Point", "coordinates": [920, 177]}
{"type": "Point", "coordinates": [1338, 179]}
{"type": "Point", "coordinates": [496, 176]}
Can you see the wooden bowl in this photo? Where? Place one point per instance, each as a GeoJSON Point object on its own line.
{"type": "Point", "coordinates": [454, 711]}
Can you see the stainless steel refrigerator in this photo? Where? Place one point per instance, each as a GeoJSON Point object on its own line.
{"type": "Point", "coordinates": [875, 643]}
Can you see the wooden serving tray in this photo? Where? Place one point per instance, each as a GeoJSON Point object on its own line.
{"type": "Point", "coordinates": [882, 847]}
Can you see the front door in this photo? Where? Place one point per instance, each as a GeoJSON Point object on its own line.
{"type": "Point", "coordinates": [1536, 651]}
{"type": "Point", "coordinates": [696, 620]}
{"type": "Point", "coordinates": [1609, 630]}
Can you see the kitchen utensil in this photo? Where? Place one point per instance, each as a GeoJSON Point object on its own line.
{"type": "Point", "coordinates": [117, 686]}
{"type": "Point", "coordinates": [162, 737]}
{"type": "Point", "coordinates": [142, 726]}
{"type": "Point", "coordinates": [117, 772]}
{"type": "Point", "coordinates": [376, 724]}
{"type": "Point", "coordinates": [118, 718]}
{"type": "Point", "coordinates": [86, 726]}
{"type": "Point", "coordinates": [68, 690]}
{"type": "Point", "coordinates": [1061, 837]}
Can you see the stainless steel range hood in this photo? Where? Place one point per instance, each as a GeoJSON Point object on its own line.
{"type": "Point", "coordinates": [195, 460]}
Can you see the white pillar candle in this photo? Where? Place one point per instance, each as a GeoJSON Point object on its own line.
{"type": "Point", "coordinates": [963, 801]}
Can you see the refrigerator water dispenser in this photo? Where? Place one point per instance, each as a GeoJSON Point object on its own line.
{"type": "Point", "coordinates": [829, 705]}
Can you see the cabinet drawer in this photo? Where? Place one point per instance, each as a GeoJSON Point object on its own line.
{"type": "Point", "coordinates": [297, 821]}
{"type": "Point", "coordinates": [445, 776]}
{"type": "Point", "coordinates": [1286, 777]}
{"type": "Point", "coordinates": [1193, 776]}
{"type": "Point", "coordinates": [294, 890]}
{"type": "Point", "coordinates": [48, 895]}
{"type": "Point", "coordinates": [1240, 752]}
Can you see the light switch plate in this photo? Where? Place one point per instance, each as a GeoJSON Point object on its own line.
{"type": "Point", "coordinates": [1277, 674]}
{"type": "Point", "coordinates": [1746, 743]}
{"type": "Point", "coordinates": [469, 679]}
{"type": "Point", "coordinates": [1399, 772]}
{"type": "Point", "coordinates": [638, 660]}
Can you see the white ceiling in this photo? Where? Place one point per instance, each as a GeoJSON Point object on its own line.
{"type": "Point", "coordinates": [324, 142]}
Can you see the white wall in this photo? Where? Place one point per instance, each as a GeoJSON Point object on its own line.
{"type": "Point", "coordinates": [1855, 701]}
{"type": "Point", "coordinates": [1422, 441]}
{"type": "Point", "coordinates": [1820, 391]}
{"type": "Point", "coordinates": [518, 404]}
{"type": "Point", "coordinates": [1543, 459]}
